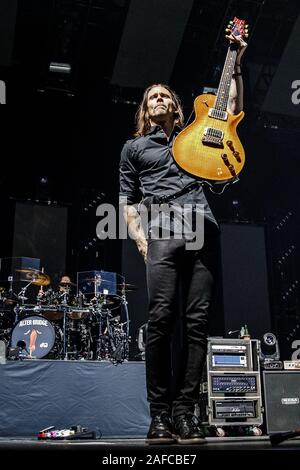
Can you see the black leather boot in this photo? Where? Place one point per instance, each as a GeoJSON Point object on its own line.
{"type": "Point", "coordinates": [187, 431]}
{"type": "Point", "coordinates": [160, 431]}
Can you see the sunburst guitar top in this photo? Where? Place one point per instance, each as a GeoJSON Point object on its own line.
{"type": "Point", "coordinates": [209, 148]}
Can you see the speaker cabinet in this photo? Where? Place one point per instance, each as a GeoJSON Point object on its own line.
{"type": "Point", "coordinates": [245, 278]}
{"type": "Point", "coordinates": [282, 400]}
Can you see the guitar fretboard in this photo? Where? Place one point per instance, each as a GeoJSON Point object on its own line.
{"type": "Point", "coordinates": [224, 86]}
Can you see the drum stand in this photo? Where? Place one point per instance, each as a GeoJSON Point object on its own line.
{"type": "Point", "coordinates": [127, 321]}
{"type": "Point", "coordinates": [21, 296]}
{"type": "Point", "coordinates": [124, 344]}
{"type": "Point", "coordinates": [103, 336]}
{"type": "Point", "coordinates": [65, 308]}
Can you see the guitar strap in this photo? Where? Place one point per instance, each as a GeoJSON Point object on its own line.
{"type": "Point", "coordinates": [187, 189]}
{"type": "Point", "coordinates": [170, 197]}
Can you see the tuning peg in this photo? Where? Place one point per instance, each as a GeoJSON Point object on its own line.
{"type": "Point", "coordinates": [246, 35]}
{"type": "Point", "coordinates": [227, 30]}
{"type": "Point", "coordinates": [246, 26]}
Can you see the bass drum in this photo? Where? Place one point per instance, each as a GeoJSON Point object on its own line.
{"type": "Point", "coordinates": [40, 337]}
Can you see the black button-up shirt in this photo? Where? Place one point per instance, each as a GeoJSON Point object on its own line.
{"type": "Point", "coordinates": [147, 168]}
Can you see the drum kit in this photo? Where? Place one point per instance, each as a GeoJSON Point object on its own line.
{"type": "Point", "coordinates": [58, 324]}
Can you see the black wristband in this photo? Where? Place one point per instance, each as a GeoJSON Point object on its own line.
{"type": "Point", "coordinates": [236, 75]}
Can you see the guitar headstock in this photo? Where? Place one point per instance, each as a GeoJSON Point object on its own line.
{"type": "Point", "coordinates": [238, 27]}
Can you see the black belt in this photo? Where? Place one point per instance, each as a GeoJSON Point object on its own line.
{"type": "Point", "coordinates": [167, 198]}
{"type": "Point", "coordinates": [185, 190]}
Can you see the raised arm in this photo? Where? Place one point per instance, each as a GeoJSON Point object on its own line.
{"type": "Point", "coordinates": [236, 92]}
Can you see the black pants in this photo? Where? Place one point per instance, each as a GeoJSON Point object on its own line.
{"type": "Point", "coordinates": [172, 269]}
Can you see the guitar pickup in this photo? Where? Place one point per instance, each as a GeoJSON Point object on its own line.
{"type": "Point", "coordinates": [218, 114]}
{"type": "Point", "coordinates": [211, 131]}
{"type": "Point", "coordinates": [213, 137]}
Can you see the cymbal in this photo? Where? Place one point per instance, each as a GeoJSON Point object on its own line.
{"type": "Point", "coordinates": [37, 278]}
{"type": "Point", "coordinates": [127, 287]}
{"type": "Point", "coordinates": [10, 301]}
{"type": "Point", "coordinates": [121, 286]}
{"type": "Point", "coordinates": [100, 300]}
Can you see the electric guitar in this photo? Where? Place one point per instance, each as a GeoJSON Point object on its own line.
{"type": "Point", "coordinates": [209, 147]}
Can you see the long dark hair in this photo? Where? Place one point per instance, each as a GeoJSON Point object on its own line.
{"type": "Point", "coordinates": [142, 119]}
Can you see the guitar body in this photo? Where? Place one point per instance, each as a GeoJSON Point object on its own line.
{"type": "Point", "coordinates": [200, 154]}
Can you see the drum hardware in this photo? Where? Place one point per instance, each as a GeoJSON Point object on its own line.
{"type": "Point", "coordinates": [64, 348]}
{"type": "Point", "coordinates": [41, 291]}
{"type": "Point", "coordinates": [121, 343]}
{"type": "Point", "coordinates": [109, 338]}
{"type": "Point", "coordinates": [64, 296]}
{"type": "Point", "coordinates": [101, 336]}
{"type": "Point", "coordinates": [22, 297]}
{"type": "Point", "coordinates": [122, 285]}
{"type": "Point", "coordinates": [8, 298]}
{"type": "Point", "coordinates": [9, 301]}
{"type": "Point", "coordinates": [48, 304]}
{"type": "Point", "coordinates": [127, 287]}
{"type": "Point", "coordinates": [79, 340]}
{"type": "Point", "coordinates": [6, 324]}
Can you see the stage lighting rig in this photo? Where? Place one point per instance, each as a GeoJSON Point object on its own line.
{"type": "Point", "coordinates": [269, 348]}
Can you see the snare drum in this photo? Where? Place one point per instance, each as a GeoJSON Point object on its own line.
{"type": "Point", "coordinates": [39, 335]}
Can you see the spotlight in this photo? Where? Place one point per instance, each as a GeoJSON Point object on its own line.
{"type": "Point", "coordinates": [269, 348]}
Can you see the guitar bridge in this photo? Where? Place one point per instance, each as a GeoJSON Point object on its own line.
{"type": "Point", "coordinates": [213, 137]}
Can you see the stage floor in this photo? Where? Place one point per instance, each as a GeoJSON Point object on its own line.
{"type": "Point", "coordinates": [136, 453]}
{"type": "Point", "coordinates": [110, 398]}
